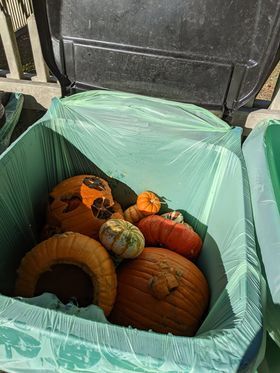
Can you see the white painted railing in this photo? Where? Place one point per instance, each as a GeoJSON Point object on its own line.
{"type": "Point", "coordinates": [19, 10]}
{"type": "Point", "coordinates": [39, 90]}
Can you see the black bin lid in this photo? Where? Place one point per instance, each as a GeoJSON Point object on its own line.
{"type": "Point", "coordinates": [208, 52]}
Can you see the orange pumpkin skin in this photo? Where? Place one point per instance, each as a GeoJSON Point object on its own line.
{"type": "Point", "coordinates": [177, 237]}
{"type": "Point", "coordinates": [70, 248]}
{"type": "Point", "coordinates": [162, 291]}
{"type": "Point", "coordinates": [148, 203]}
{"type": "Point", "coordinates": [133, 214]}
{"type": "Point", "coordinates": [82, 204]}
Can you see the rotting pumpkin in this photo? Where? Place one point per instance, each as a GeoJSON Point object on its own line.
{"type": "Point", "coordinates": [81, 204]}
{"type": "Point", "coordinates": [161, 291]}
{"type": "Point", "coordinates": [63, 252]}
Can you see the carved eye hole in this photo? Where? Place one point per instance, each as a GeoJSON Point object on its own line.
{"type": "Point", "coordinates": [73, 202]}
{"type": "Point", "coordinates": [101, 208]}
{"type": "Point", "coordinates": [94, 183]}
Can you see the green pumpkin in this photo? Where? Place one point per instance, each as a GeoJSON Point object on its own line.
{"type": "Point", "coordinates": [122, 237]}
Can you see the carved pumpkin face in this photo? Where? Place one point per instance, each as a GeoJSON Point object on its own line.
{"type": "Point", "coordinates": [82, 204]}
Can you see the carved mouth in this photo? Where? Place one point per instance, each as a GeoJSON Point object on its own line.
{"type": "Point", "coordinates": [101, 208]}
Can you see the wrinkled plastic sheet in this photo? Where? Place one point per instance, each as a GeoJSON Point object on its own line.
{"type": "Point", "coordinates": [183, 153]}
{"type": "Point", "coordinates": [260, 150]}
{"type": "Point", "coordinates": [13, 111]}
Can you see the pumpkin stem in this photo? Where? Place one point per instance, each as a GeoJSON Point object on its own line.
{"type": "Point", "coordinates": [163, 284]}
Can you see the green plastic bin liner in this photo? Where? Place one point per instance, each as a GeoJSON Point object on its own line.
{"type": "Point", "coordinates": [262, 155]}
{"type": "Point", "coordinates": [187, 156]}
{"type": "Point", "coordinates": [13, 111]}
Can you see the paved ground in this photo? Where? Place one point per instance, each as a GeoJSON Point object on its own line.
{"type": "Point", "coordinates": [268, 88]}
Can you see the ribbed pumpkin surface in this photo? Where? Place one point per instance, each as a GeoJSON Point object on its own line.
{"type": "Point", "coordinates": [148, 203]}
{"type": "Point", "coordinates": [177, 237]}
{"type": "Point", "coordinates": [133, 215]}
{"type": "Point", "coordinates": [122, 237]}
{"type": "Point", "coordinates": [70, 248]}
{"type": "Point", "coordinates": [162, 291]}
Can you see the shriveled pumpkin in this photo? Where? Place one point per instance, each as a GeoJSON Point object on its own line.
{"type": "Point", "coordinates": [162, 291]}
{"type": "Point", "coordinates": [177, 237]}
{"type": "Point", "coordinates": [133, 214]}
{"type": "Point", "coordinates": [148, 203]}
{"type": "Point", "coordinates": [81, 204]}
{"type": "Point", "coordinates": [122, 237]}
{"type": "Point", "coordinates": [69, 265]}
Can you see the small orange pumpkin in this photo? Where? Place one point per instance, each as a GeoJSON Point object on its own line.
{"type": "Point", "coordinates": [162, 291]}
{"type": "Point", "coordinates": [148, 203]}
{"type": "Point", "coordinates": [82, 204]}
{"type": "Point", "coordinates": [63, 265]}
{"type": "Point", "coordinates": [177, 237]}
{"type": "Point", "coordinates": [133, 214]}
{"type": "Point", "coordinates": [122, 237]}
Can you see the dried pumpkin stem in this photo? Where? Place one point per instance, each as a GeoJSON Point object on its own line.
{"type": "Point", "coordinates": [163, 284]}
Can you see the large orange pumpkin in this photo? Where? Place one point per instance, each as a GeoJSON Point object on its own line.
{"type": "Point", "coordinates": [70, 265]}
{"type": "Point", "coordinates": [177, 237]}
{"type": "Point", "coordinates": [162, 291]}
{"type": "Point", "coordinates": [81, 204]}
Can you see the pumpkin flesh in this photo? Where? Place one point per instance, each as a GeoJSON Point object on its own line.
{"type": "Point", "coordinates": [76, 249]}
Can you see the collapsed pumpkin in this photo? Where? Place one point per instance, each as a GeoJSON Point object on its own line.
{"type": "Point", "coordinates": [70, 265]}
{"type": "Point", "coordinates": [162, 291]}
{"type": "Point", "coordinates": [81, 204]}
{"type": "Point", "coordinates": [121, 237]}
{"type": "Point", "coordinates": [177, 237]}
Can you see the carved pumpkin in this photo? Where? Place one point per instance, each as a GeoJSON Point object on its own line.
{"type": "Point", "coordinates": [162, 291]}
{"type": "Point", "coordinates": [69, 265]}
{"type": "Point", "coordinates": [82, 204]}
{"type": "Point", "coordinates": [133, 215]}
{"type": "Point", "coordinates": [177, 237]}
{"type": "Point", "coordinates": [121, 237]}
{"type": "Point", "coordinates": [148, 203]}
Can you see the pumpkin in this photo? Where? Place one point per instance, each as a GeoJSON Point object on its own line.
{"type": "Point", "coordinates": [81, 204]}
{"type": "Point", "coordinates": [174, 215]}
{"type": "Point", "coordinates": [148, 203]}
{"type": "Point", "coordinates": [69, 265]}
{"type": "Point", "coordinates": [133, 214]}
{"type": "Point", "coordinates": [121, 237]}
{"type": "Point", "coordinates": [162, 291]}
{"type": "Point", "coordinates": [177, 237]}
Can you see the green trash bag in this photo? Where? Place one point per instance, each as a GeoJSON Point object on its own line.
{"type": "Point", "coordinates": [186, 155]}
{"type": "Point", "coordinates": [13, 110]}
{"type": "Point", "coordinates": [262, 156]}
